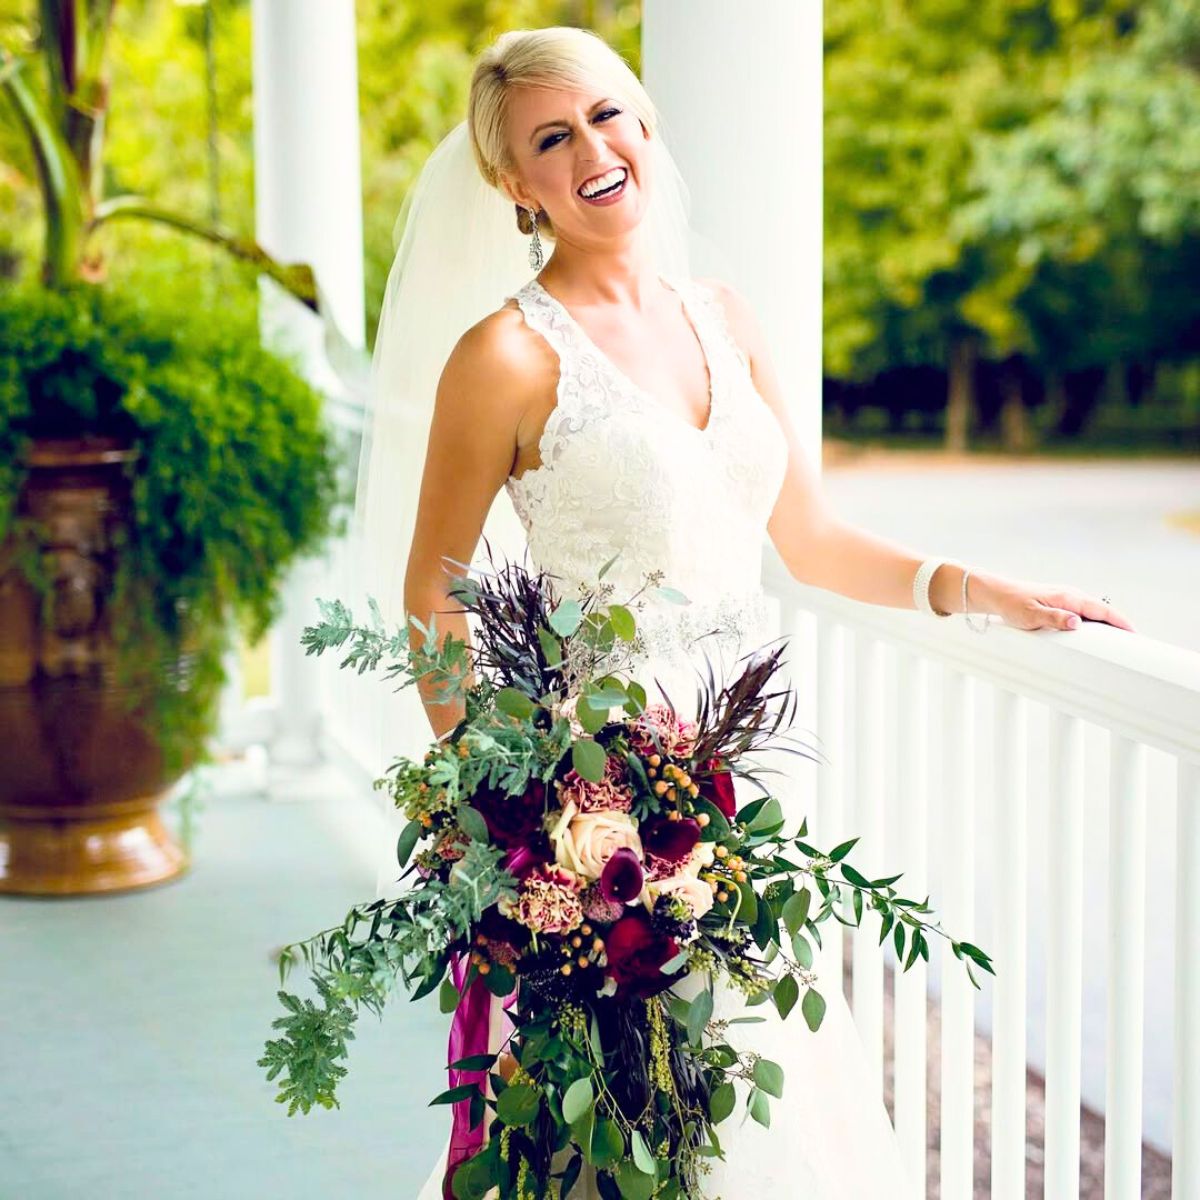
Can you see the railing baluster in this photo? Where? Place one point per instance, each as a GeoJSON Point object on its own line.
{"type": "Point", "coordinates": [1009, 804]}
{"type": "Point", "coordinates": [868, 825]}
{"type": "Point", "coordinates": [1064, 954]}
{"type": "Point", "coordinates": [1185, 1178]}
{"type": "Point", "coordinates": [957, 850]}
{"type": "Point", "coordinates": [831, 775]}
{"type": "Point", "coordinates": [1126, 969]}
{"type": "Point", "coordinates": [911, 1015]}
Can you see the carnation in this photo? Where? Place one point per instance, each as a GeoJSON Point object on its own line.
{"type": "Point", "coordinates": [548, 902]}
{"type": "Point", "coordinates": [609, 793]}
{"type": "Point", "coordinates": [659, 730]}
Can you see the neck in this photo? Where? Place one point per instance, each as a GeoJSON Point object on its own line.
{"type": "Point", "coordinates": [620, 274]}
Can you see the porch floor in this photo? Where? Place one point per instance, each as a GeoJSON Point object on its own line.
{"type": "Point", "coordinates": [131, 1025]}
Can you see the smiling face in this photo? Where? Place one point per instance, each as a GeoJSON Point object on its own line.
{"type": "Point", "coordinates": [583, 158]}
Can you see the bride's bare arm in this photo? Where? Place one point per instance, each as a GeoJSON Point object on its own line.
{"type": "Point", "coordinates": [821, 549]}
{"type": "Point", "coordinates": [481, 397]}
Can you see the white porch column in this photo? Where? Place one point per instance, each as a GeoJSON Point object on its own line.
{"type": "Point", "coordinates": [308, 208]}
{"type": "Point", "coordinates": [739, 88]}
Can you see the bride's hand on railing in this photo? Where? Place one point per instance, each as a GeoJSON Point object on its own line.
{"type": "Point", "coordinates": [1026, 605]}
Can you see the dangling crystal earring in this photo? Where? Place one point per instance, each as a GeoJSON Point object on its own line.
{"type": "Point", "coordinates": [536, 258]}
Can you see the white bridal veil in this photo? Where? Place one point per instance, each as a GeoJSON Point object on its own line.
{"type": "Point", "coordinates": [458, 256]}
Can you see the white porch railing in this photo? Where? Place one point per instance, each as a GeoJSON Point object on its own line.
{"type": "Point", "coordinates": [939, 744]}
{"type": "Point", "coordinates": [936, 738]}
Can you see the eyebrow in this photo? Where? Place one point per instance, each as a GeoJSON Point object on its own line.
{"type": "Point", "coordinates": [561, 121]}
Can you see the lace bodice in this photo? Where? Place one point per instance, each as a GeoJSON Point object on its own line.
{"type": "Point", "coordinates": [623, 474]}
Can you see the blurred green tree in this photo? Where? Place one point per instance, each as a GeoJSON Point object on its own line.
{"type": "Point", "coordinates": [937, 247]}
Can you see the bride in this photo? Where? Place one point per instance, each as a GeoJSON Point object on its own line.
{"type": "Point", "coordinates": [628, 410]}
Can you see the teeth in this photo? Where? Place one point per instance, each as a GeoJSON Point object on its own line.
{"type": "Point", "coordinates": [610, 179]}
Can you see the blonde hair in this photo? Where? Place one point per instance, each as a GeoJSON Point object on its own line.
{"type": "Point", "coordinates": [557, 57]}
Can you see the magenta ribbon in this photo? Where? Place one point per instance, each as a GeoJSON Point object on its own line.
{"type": "Point", "coordinates": [468, 1036]}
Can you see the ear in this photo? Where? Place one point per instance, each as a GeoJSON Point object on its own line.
{"type": "Point", "coordinates": [516, 191]}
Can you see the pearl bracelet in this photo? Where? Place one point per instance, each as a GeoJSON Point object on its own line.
{"type": "Point", "coordinates": [921, 586]}
{"type": "Point", "coordinates": [921, 599]}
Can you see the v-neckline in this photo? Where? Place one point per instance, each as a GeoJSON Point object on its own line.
{"type": "Point", "coordinates": [623, 377]}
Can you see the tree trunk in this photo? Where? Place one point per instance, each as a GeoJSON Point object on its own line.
{"type": "Point", "coordinates": [1015, 432]}
{"type": "Point", "coordinates": [960, 399]}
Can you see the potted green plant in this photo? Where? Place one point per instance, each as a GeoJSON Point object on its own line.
{"type": "Point", "coordinates": [159, 472]}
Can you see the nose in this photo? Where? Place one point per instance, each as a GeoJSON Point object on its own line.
{"type": "Point", "coordinates": [592, 145]}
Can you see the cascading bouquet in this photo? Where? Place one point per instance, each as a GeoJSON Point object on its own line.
{"type": "Point", "coordinates": [578, 853]}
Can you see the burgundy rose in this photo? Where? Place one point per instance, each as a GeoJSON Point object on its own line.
{"type": "Point", "coordinates": [622, 878]}
{"type": "Point", "coordinates": [717, 789]}
{"type": "Point", "coordinates": [512, 820]}
{"type": "Point", "coordinates": [636, 953]}
{"type": "Point", "coordinates": [672, 841]}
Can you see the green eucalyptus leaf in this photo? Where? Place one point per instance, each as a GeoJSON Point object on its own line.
{"type": "Point", "coordinates": [748, 911]}
{"type": "Point", "coordinates": [768, 817]}
{"type": "Point", "coordinates": [518, 1105]}
{"type": "Point", "coordinates": [795, 910]}
{"type": "Point", "coordinates": [577, 1099]}
{"type": "Point", "coordinates": [515, 703]}
{"type": "Point", "coordinates": [721, 1102]}
{"type": "Point", "coordinates": [471, 822]}
{"type": "Point", "coordinates": [410, 835]}
{"type": "Point", "coordinates": [760, 1108]}
{"type": "Point", "coordinates": [699, 1015]}
{"type": "Point", "coordinates": [813, 1008]}
{"type": "Point", "coordinates": [634, 1183]}
{"type": "Point", "coordinates": [564, 620]}
{"type": "Point", "coordinates": [641, 1153]}
{"type": "Point", "coordinates": [608, 1143]}
{"type": "Point", "coordinates": [447, 997]}
{"type": "Point", "coordinates": [769, 1076]}
{"type": "Point", "coordinates": [802, 950]}
{"type": "Point", "coordinates": [587, 757]}
{"type": "Point", "coordinates": [623, 622]}
{"type": "Point", "coordinates": [787, 992]}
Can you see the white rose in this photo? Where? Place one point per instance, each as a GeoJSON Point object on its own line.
{"type": "Point", "coordinates": [584, 842]}
{"type": "Point", "coordinates": [698, 895]}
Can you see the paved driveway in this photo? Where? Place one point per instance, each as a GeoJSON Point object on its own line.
{"type": "Point", "coordinates": [1101, 525]}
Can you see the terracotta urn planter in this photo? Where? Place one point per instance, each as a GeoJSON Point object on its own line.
{"type": "Point", "coordinates": [80, 775]}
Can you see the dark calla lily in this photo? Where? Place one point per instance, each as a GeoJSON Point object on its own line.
{"type": "Point", "coordinates": [622, 879]}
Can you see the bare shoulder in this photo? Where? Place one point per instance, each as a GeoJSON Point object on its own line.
{"type": "Point", "coordinates": [739, 316]}
{"type": "Point", "coordinates": [498, 357]}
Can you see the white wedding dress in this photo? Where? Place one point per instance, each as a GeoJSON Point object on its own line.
{"type": "Point", "coordinates": [622, 472]}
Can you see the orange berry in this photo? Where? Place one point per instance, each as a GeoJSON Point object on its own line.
{"type": "Point", "coordinates": [566, 968]}
{"type": "Point", "coordinates": [484, 968]}
{"type": "Point", "coordinates": [654, 760]}
{"type": "Point", "coordinates": [722, 895]}
{"type": "Point", "coordinates": [702, 819]}
{"type": "Point", "coordinates": [583, 960]}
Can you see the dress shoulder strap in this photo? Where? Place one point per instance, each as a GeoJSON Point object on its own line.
{"type": "Point", "coordinates": [546, 316]}
{"type": "Point", "coordinates": [710, 309]}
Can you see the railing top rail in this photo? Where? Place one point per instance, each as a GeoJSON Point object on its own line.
{"type": "Point", "coordinates": [1133, 685]}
